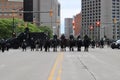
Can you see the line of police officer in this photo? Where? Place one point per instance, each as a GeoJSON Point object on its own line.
{"type": "Point", "coordinates": [55, 43]}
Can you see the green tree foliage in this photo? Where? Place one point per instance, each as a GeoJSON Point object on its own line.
{"type": "Point", "coordinates": [7, 28]}
{"type": "Point", "coordinates": [47, 30]}
{"type": "Point", "coordinates": [33, 28]}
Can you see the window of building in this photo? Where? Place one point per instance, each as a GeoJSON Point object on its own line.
{"type": "Point", "coordinates": [113, 3]}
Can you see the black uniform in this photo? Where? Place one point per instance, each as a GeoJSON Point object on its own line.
{"type": "Point", "coordinates": [86, 43]}
{"type": "Point", "coordinates": [79, 43]}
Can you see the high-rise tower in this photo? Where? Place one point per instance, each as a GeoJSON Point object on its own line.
{"type": "Point", "coordinates": [102, 12]}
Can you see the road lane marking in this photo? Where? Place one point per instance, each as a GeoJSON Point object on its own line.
{"type": "Point", "coordinates": [54, 67]}
{"type": "Point", "coordinates": [60, 68]}
{"type": "Point", "coordinates": [59, 73]}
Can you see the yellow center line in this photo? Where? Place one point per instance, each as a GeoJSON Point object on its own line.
{"type": "Point", "coordinates": [58, 59]}
{"type": "Point", "coordinates": [60, 69]}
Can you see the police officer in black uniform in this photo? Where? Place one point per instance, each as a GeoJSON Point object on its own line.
{"type": "Point", "coordinates": [79, 43]}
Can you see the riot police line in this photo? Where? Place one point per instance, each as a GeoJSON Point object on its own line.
{"type": "Point", "coordinates": [43, 42]}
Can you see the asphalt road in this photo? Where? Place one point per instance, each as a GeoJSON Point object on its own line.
{"type": "Point", "coordinates": [97, 64]}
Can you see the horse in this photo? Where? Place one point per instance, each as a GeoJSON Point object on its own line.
{"type": "Point", "coordinates": [71, 43]}
{"type": "Point", "coordinates": [63, 43]}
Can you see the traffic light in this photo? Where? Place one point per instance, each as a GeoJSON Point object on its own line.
{"type": "Point", "coordinates": [73, 24]}
{"type": "Point", "coordinates": [114, 21]}
{"type": "Point", "coordinates": [98, 23]}
{"type": "Point", "coordinates": [51, 12]}
{"type": "Point", "coordinates": [91, 28]}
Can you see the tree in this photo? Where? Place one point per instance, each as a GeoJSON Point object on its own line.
{"type": "Point", "coordinates": [7, 28]}
{"type": "Point", "coordinates": [46, 30]}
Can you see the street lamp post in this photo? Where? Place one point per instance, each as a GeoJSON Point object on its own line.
{"type": "Point", "coordinates": [98, 28]}
{"type": "Point", "coordinates": [91, 29]}
{"type": "Point", "coordinates": [58, 27]}
{"type": "Point", "coordinates": [13, 26]}
{"type": "Point", "coordinates": [73, 25]}
{"type": "Point", "coordinates": [115, 27]}
{"type": "Point", "coordinates": [51, 14]}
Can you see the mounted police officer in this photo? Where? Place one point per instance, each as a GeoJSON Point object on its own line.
{"type": "Point", "coordinates": [86, 43]}
{"type": "Point", "coordinates": [71, 43]}
{"type": "Point", "coordinates": [63, 42]}
{"type": "Point", "coordinates": [54, 43]}
{"type": "Point", "coordinates": [47, 44]}
{"type": "Point", "coordinates": [41, 44]}
{"type": "Point", "coordinates": [32, 44]}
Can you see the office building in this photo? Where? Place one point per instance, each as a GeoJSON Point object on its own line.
{"type": "Point", "coordinates": [46, 13]}
{"type": "Point", "coordinates": [28, 6]}
{"type": "Point", "coordinates": [97, 19]}
{"type": "Point", "coordinates": [68, 27]}
{"type": "Point", "coordinates": [77, 24]}
{"type": "Point", "coordinates": [11, 6]}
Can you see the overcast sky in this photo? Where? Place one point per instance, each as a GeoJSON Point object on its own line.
{"type": "Point", "coordinates": [69, 8]}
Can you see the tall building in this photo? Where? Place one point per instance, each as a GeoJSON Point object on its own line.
{"type": "Point", "coordinates": [68, 27]}
{"type": "Point", "coordinates": [11, 6]}
{"type": "Point", "coordinates": [77, 24]}
{"type": "Point", "coordinates": [28, 6]}
{"type": "Point", "coordinates": [98, 16]}
{"type": "Point", "coordinates": [45, 17]}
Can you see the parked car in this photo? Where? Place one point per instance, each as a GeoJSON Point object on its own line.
{"type": "Point", "coordinates": [116, 44]}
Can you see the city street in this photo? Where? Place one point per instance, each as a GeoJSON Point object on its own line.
{"type": "Point", "coordinates": [97, 64]}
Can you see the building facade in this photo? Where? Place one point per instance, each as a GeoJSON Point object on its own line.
{"type": "Point", "coordinates": [45, 18]}
{"type": "Point", "coordinates": [68, 27]}
{"type": "Point", "coordinates": [103, 12]}
{"type": "Point", "coordinates": [28, 6]}
{"type": "Point", "coordinates": [41, 13]}
{"type": "Point", "coordinates": [77, 24]}
{"type": "Point", "coordinates": [11, 6]}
